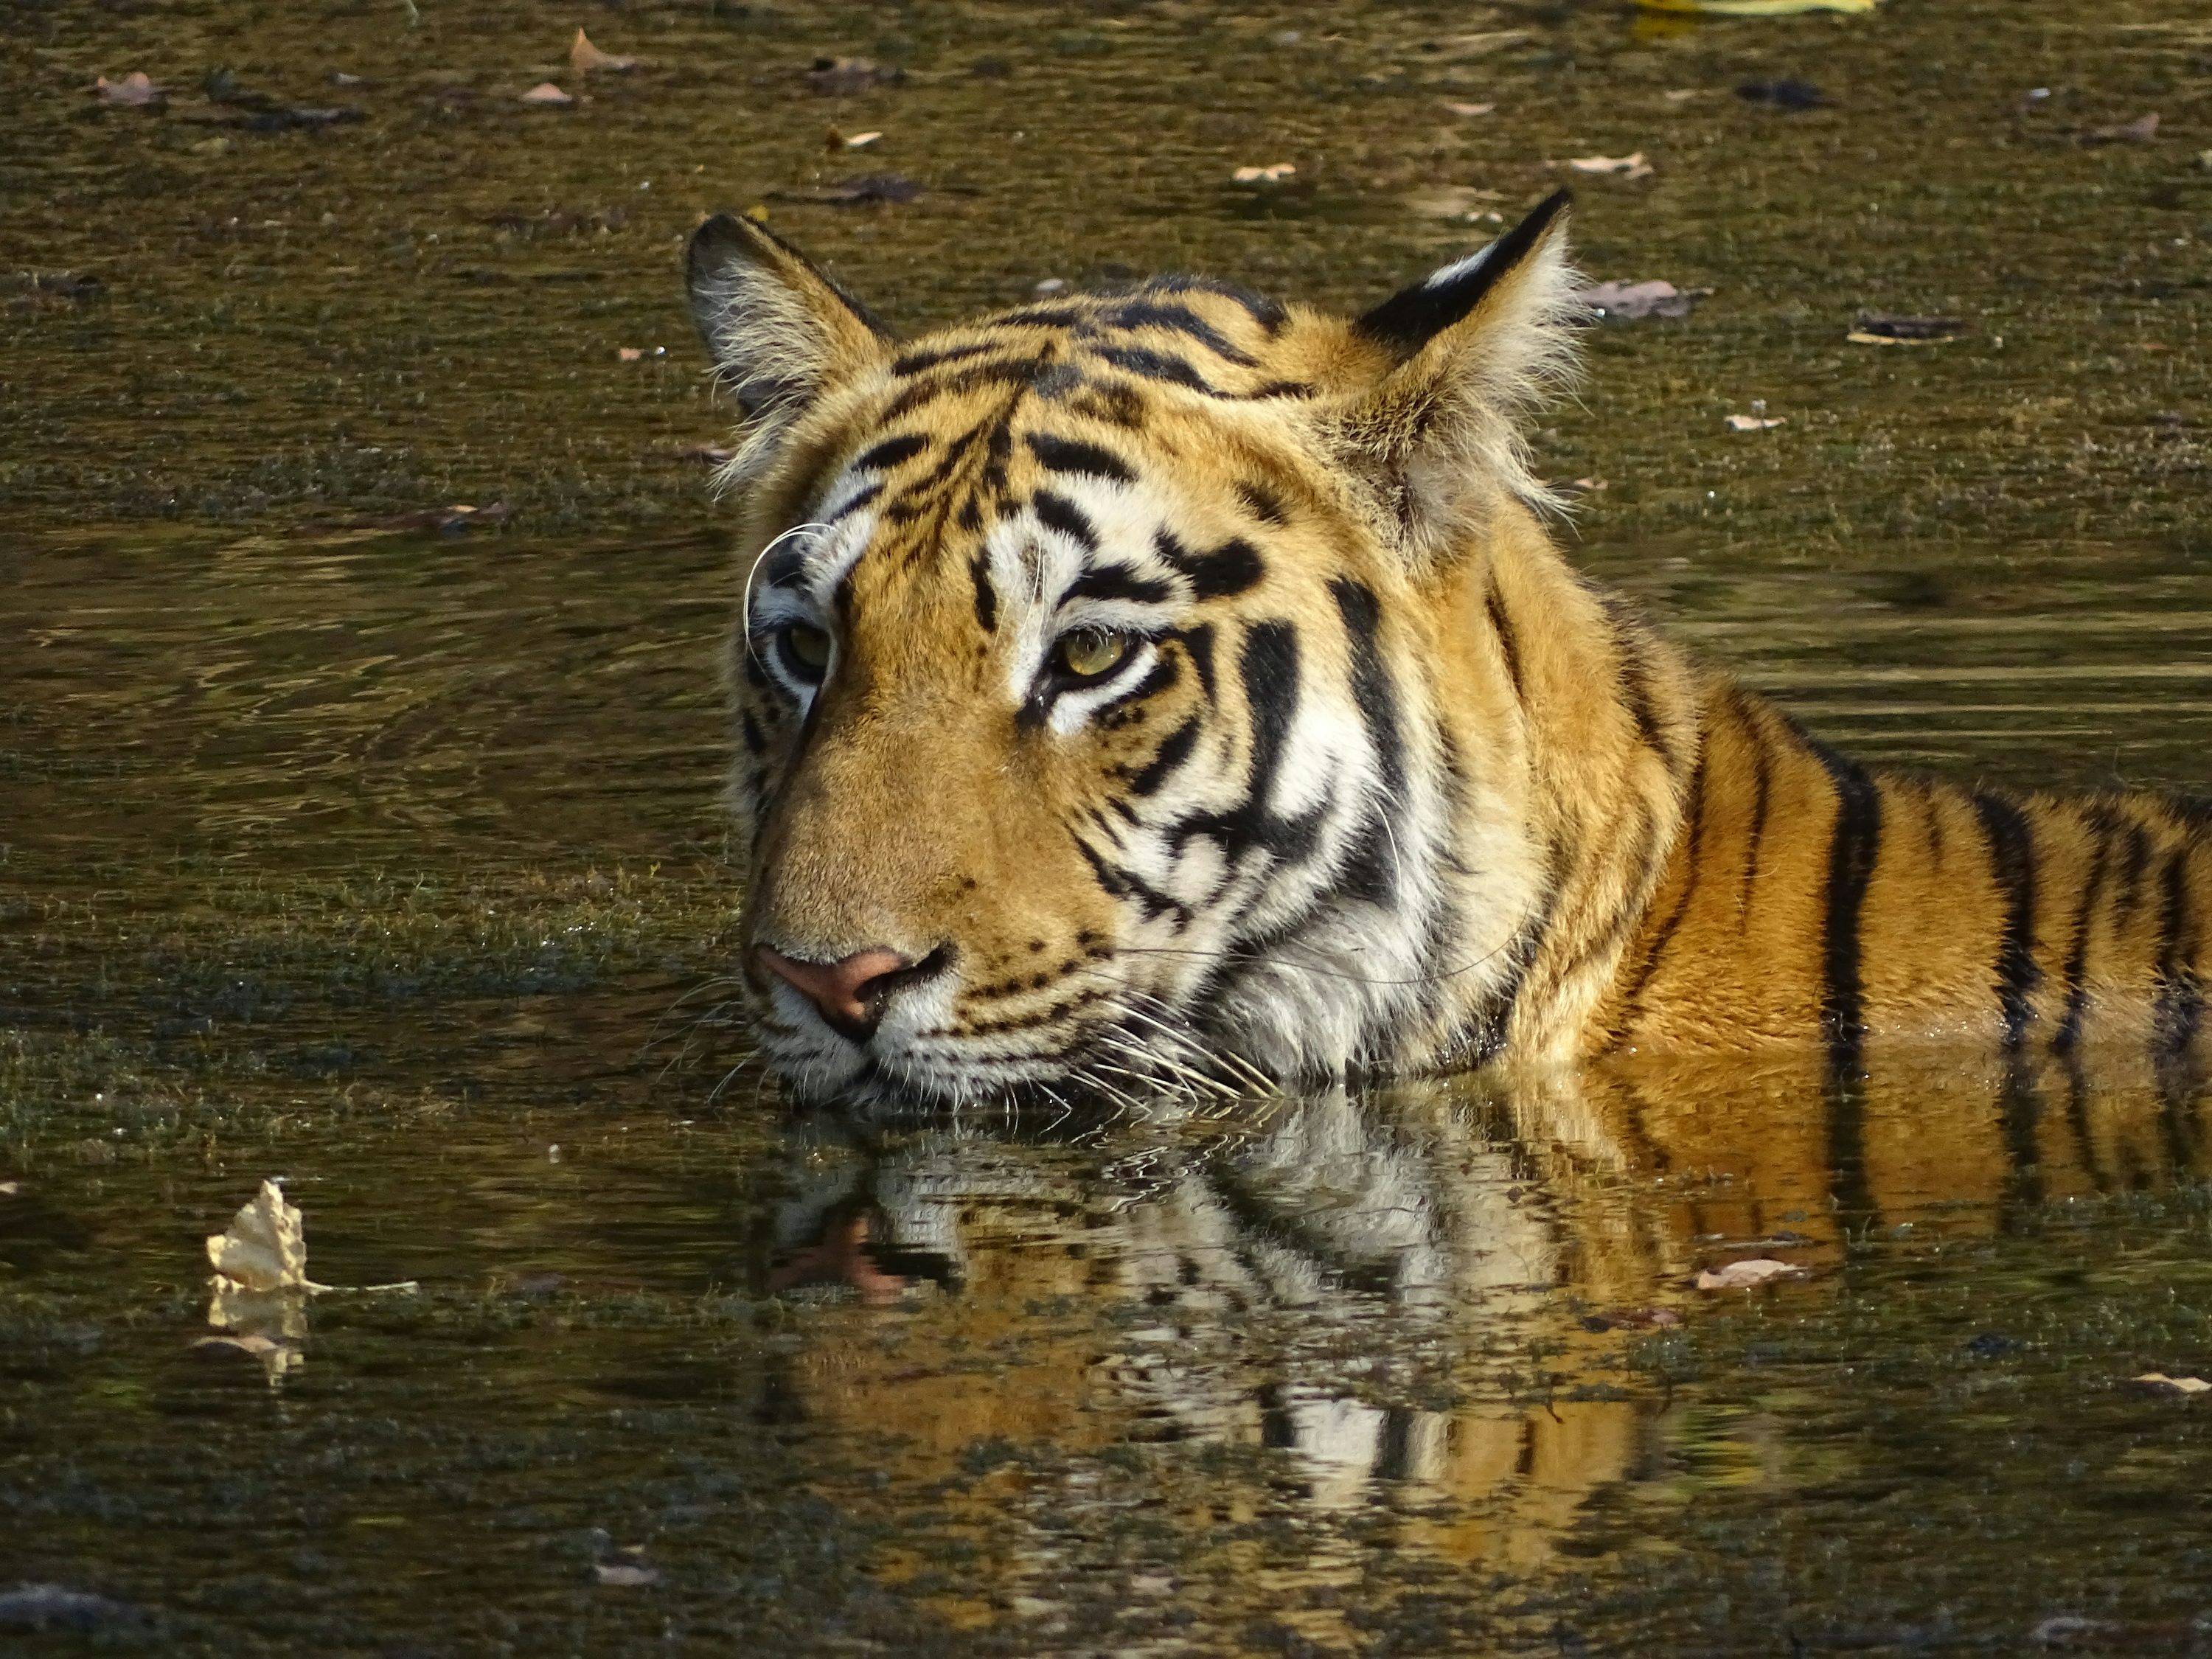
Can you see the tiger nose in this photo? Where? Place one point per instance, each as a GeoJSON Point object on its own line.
{"type": "Point", "coordinates": [851, 991]}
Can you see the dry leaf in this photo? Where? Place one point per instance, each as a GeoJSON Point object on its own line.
{"type": "Point", "coordinates": [856, 192]}
{"type": "Point", "coordinates": [1272, 174]}
{"type": "Point", "coordinates": [1617, 166]}
{"type": "Point", "coordinates": [1755, 8]}
{"type": "Point", "coordinates": [1623, 302]}
{"type": "Point", "coordinates": [548, 95]}
{"type": "Point", "coordinates": [1742, 1275]}
{"type": "Point", "coordinates": [1883, 328]}
{"type": "Point", "coordinates": [1458, 108]}
{"type": "Point", "coordinates": [2140, 131]}
{"type": "Point", "coordinates": [628, 353]}
{"type": "Point", "coordinates": [624, 1574]}
{"type": "Point", "coordinates": [134, 91]}
{"type": "Point", "coordinates": [1754, 423]}
{"type": "Point", "coordinates": [449, 520]}
{"type": "Point", "coordinates": [852, 141]}
{"type": "Point", "coordinates": [265, 1247]}
{"type": "Point", "coordinates": [583, 57]}
{"type": "Point", "coordinates": [2165, 1384]}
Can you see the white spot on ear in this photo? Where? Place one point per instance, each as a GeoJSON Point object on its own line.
{"type": "Point", "coordinates": [1459, 269]}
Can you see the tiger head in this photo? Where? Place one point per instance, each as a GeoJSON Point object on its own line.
{"type": "Point", "coordinates": [1106, 712]}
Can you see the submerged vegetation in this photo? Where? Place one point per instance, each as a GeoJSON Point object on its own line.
{"type": "Point", "coordinates": [358, 840]}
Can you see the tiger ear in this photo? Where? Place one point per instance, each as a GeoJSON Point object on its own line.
{"type": "Point", "coordinates": [779, 331]}
{"type": "Point", "coordinates": [1467, 352]}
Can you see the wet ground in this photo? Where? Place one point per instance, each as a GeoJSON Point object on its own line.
{"type": "Point", "coordinates": [387, 861]}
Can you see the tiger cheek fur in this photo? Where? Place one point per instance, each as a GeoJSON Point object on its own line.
{"type": "Point", "coordinates": [1172, 690]}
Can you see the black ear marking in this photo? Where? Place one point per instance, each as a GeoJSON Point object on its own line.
{"type": "Point", "coordinates": [1412, 316]}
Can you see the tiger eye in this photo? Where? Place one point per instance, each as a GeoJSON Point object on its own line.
{"type": "Point", "coordinates": [1086, 653]}
{"type": "Point", "coordinates": [808, 648]}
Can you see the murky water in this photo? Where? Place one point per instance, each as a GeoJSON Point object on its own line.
{"type": "Point", "coordinates": [389, 864]}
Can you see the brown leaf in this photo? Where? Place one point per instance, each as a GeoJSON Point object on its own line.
{"type": "Point", "coordinates": [1757, 1270]}
{"type": "Point", "coordinates": [134, 91]}
{"type": "Point", "coordinates": [548, 95]}
{"type": "Point", "coordinates": [585, 58]}
{"type": "Point", "coordinates": [1273, 173]}
{"type": "Point", "coordinates": [1632, 165]}
{"type": "Point", "coordinates": [624, 1574]}
{"type": "Point", "coordinates": [1753, 423]}
{"type": "Point", "coordinates": [1622, 302]}
{"type": "Point", "coordinates": [852, 141]}
{"type": "Point", "coordinates": [1459, 109]}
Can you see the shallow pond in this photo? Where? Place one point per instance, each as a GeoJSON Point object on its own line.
{"type": "Point", "coordinates": [388, 862]}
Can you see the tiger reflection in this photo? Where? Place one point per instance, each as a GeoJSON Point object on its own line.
{"type": "Point", "coordinates": [1304, 1282]}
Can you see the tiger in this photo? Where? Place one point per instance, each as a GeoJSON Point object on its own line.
{"type": "Point", "coordinates": [1171, 690]}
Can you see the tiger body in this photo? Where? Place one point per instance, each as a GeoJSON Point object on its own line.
{"type": "Point", "coordinates": [1173, 688]}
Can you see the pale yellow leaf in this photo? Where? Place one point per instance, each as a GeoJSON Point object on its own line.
{"type": "Point", "coordinates": [548, 95]}
{"type": "Point", "coordinates": [1754, 422]}
{"type": "Point", "coordinates": [1755, 8]}
{"type": "Point", "coordinates": [1631, 166]}
{"type": "Point", "coordinates": [265, 1247]}
{"type": "Point", "coordinates": [2173, 1384]}
{"type": "Point", "coordinates": [1272, 174]}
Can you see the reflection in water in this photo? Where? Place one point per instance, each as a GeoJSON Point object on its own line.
{"type": "Point", "coordinates": [1403, 1303]}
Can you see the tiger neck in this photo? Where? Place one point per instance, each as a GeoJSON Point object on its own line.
{"type": "Point", "coordinates": [1587, 728]}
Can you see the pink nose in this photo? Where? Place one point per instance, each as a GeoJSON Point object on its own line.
{"type": "Point", "coordinates": [850, 992]}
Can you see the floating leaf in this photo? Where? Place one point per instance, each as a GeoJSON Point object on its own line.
{"type": "Point", "coordinates": [265, 1247]}
{"type": "Point", "coordinates": [1758, 1269]}
{"type": "Point", "coordinates": [2165, 1384]}
{"type": "Point", "coordinates": [1273, 173]}
{"type": "Point", "coordinates": [1459, 109]}
{"type": "Point", "coordinates": [547, 95]}
{"type": "Point", "coordinates": [585, 58]}
{"type": "Point", "coordinates": [626, 1575]}
{"type": "Point", "coordinates": [1753, 423]}
{"type": "Point", "coordinates": [1617, 166]}
{"type": "Point", "coordinates": [1882, 328]}
{"type": "Point", "coordinates": [1755, 8]}
{"type": "Point", "coordinates": [1623, 302]}
{"type": "Point", "coordinates": [852, 141]}
{"type": "Point", "coordinates": [136, 90]}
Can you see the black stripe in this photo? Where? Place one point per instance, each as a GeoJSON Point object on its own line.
{"type": "Point", "coordinates": [987, 596]}
{"type": "Point", "coordinates": [1850, 868]}
{"type": "Point", "coordinates": [881, 458]}
{"type": "Point", "coordinates": [1373, 691]}
{"type": "Point", "coordinates": [1126, 884]}
{"type": "Point", "coordinates": [1487, 1030]}
{"type": "Point", "coordinates": [2132, 870]}
{"type": "Point", "coordinates": [1762, 790]}
{"type": "Point", "coordinates": [1178, 319]}
{"type": "Point", "coordinates": [1664, 936]}
{"type": "Point", "coordinates": [2012, 866]}
{"type": "Point", "coordinates": [1118, 581]}
{"type": "Point", "coordinates": [1262, 503]}
{"type": "Point", "coordinates": [1199, 642]}
{"type": "Point", "coordinates": [1056, 511]}
{"type": "Point", "coordinates": [1509, 641]}
{"type": "Point", "coordinates": [1170, 755]}
{"type": "Point", "coordinates": [1230, 569]}
{"type": "Point", "coordinates": [786, 565]}
{"type": "Point", "coordinates": [1269, 315]}
{"type": "Point", "coordinates": [1112, 403]}
{"type": "Point", "coordinates": [2180, 993]}
{"type": "Point", "coordinates": [913, 362]}
{"type": "Point", "coordinates": [1072, 455]}
{"type": "Point", "coordinates": [1152, 365]}
{"type": "Point", "coordinates": [1019, 373]}
{"type": "Point", "coordinates": [2101, 827]}
{"type": "Point", "coordinates": [859, 499]}
{"type": "Point", "coordinates": [1268, 670]}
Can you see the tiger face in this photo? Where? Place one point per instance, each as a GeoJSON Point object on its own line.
{"type": "Point", "coordinates": [1089, 730]}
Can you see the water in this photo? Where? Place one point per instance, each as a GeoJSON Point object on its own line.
{"type": "Point", "coordinates": [389, 863]}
